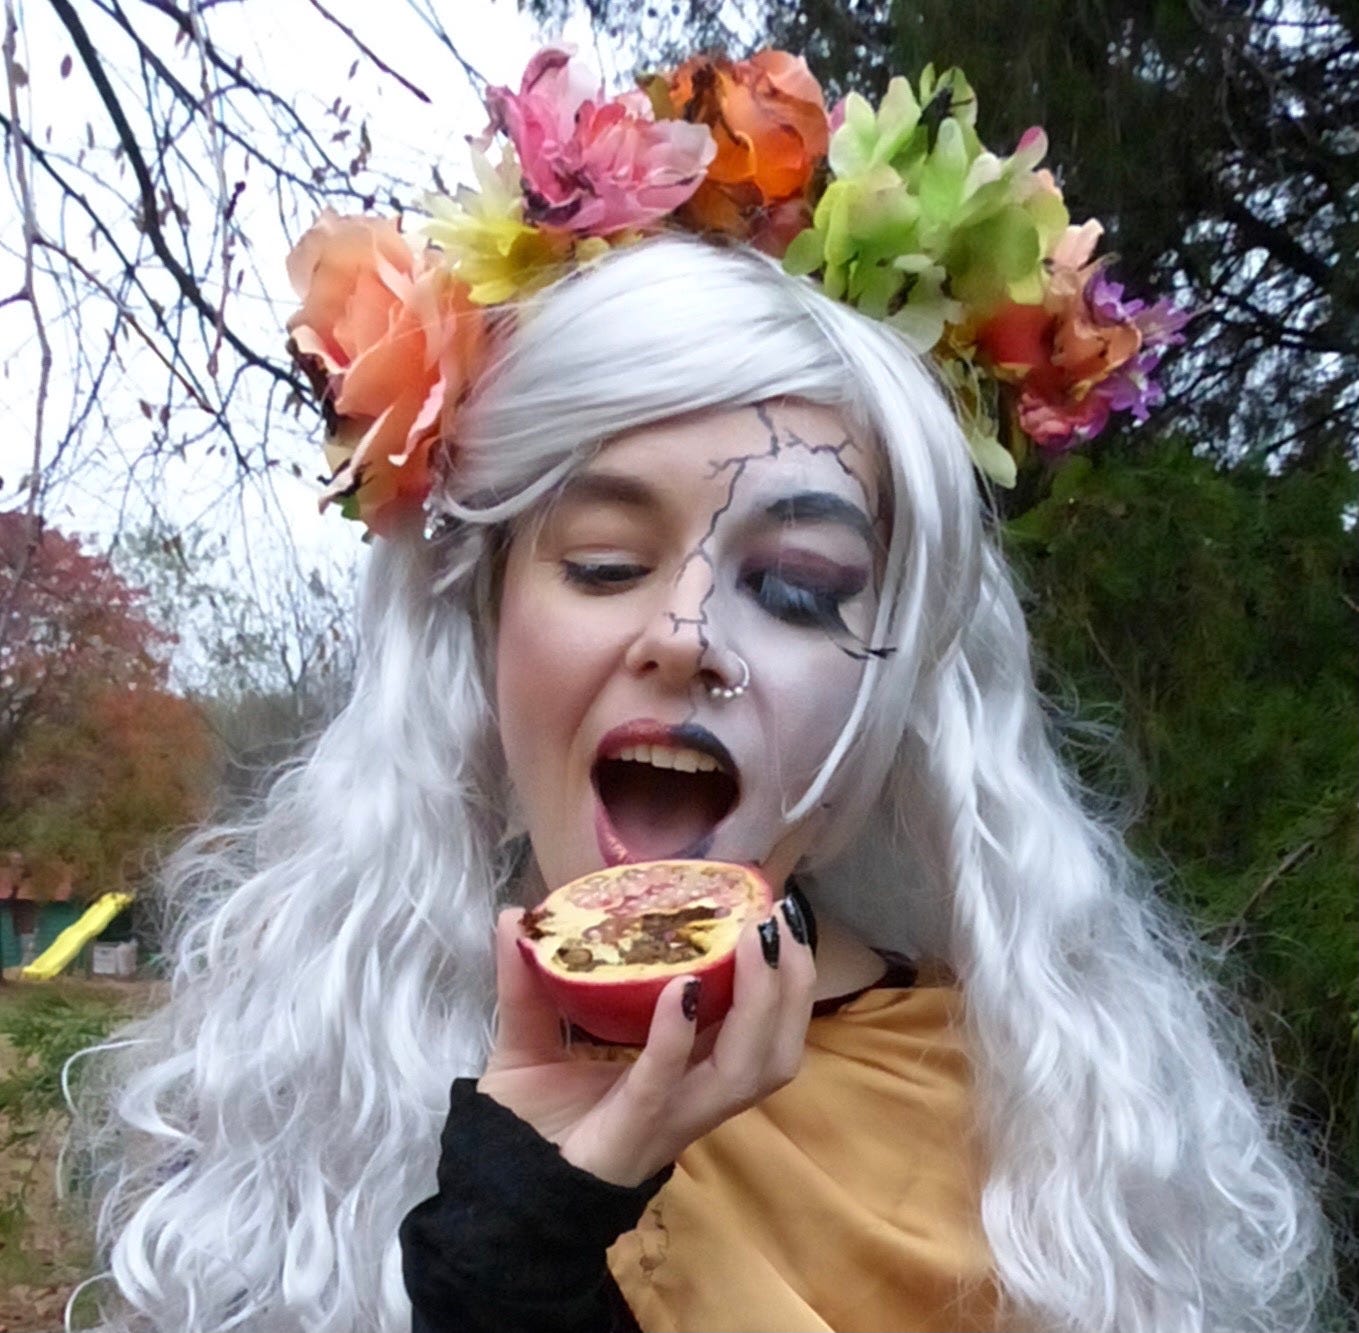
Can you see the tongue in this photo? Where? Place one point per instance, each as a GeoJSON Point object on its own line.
{"type": "Point", "coordinates": [658, 812]}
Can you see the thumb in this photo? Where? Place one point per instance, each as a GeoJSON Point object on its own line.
{"type": "Point", "coordinates": [529, 1028]}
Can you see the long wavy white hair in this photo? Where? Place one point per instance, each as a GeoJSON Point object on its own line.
{"type": "Point", "coordinates": [262, 1135]}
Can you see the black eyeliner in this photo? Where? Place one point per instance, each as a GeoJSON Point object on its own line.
{"type": "Point", "coordinates": [599, 574]}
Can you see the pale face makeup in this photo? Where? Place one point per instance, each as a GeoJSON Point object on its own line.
{"type": "Point", "coordinates": [678, 552]}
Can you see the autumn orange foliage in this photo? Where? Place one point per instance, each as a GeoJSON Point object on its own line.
{"type": "Point", "coordinates": [99, 759]}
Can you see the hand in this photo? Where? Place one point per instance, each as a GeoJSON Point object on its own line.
{"type": "Point", "coordinates": [623, 1122]}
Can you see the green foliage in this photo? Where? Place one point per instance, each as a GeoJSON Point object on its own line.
{"type": "Point", "coordinates": [43, 1242]}
{"type": "Point", "coordinates": [1214, 613]}
{"type": "Point", "coordinates": [45, 1031]}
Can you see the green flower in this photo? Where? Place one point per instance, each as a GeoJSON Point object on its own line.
{"type": "Point", "coordinates": [920, 225]}
{"type": "Point", "coordinates": [973, 394]}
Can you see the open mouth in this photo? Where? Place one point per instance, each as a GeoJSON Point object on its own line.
{"type": "Point", "coordinates": [662, 792]}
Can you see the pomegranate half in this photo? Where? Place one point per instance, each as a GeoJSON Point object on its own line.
{"type": "Point", "coordinates": [607, 944]}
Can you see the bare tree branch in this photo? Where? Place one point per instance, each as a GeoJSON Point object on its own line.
{"type": "Point", "coordinates": [188, 286]}
{"type": "Point", "coordinates": [29, 293]}
{"type": "Point", "coordinates": [368, 51]}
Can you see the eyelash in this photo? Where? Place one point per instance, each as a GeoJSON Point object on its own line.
{"type": "Point", "coordinates": [600, 576]}
{"type": "Point", "coordinates": [811, 606]}
{"type": "Point", "coordinates": [793, 603]}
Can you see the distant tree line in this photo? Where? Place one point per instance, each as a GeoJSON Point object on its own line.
{"type": "Point", "coordinates": [98, 757]}
{"type": "Point", "coordinates": [138, 693]}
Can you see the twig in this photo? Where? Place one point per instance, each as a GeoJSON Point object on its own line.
{"type": "Point", "coordinates": [432, 21]}
{"type": "Point", "coordinates": [29, 292]}
{"type": "Point", "coordinates": [225, 205]}
{"type": "Point", "coordinates": [130, 319]}
{"type": "Point", "coordinates": [130, 267]}
{"type": "Point", "coordinates": [1231, 930]}
{"type": "Point", "coordinates": [1336, 414]}
{"type": "Point", "coordinates": [297, 125]}
{"type": "Point", "coordinates": [186, 282]}
{"type": "Point", "coordinates": [193, 106]}
{"type": "Point", "coordinates": [368, 51]}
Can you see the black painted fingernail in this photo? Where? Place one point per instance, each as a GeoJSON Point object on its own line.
{"type": "Point", "coordinates": [769, 941]}
{"type": "Point", "coordinates": [689, 998]}
{"type": "Point", "coordinates": [808, 915]}
{"type": "Point", "coordinates": [797, 923]}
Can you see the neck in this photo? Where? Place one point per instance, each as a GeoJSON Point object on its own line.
{"type": "Point", "coordinates": [844, 963]}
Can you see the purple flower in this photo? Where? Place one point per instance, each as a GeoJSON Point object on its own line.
{"type": "Point", "coordinates": [1161, 324]}
{"type": "Point", "coordinates": [1131, 388]}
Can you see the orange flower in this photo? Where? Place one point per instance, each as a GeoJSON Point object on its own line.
{"type": "Point", "coordinates": [1086, 345]}
{"type": "Point", "coordinates": [1064, 353]}
{"type": "Point", "coordinates": [391, 343]}
{"type": "Point", "coordinates": [769, 120]}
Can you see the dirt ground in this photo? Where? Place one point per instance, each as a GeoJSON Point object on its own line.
{"type": "Point", "coordinates": [44, 1243]}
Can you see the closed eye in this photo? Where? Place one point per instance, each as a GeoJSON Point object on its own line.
{"type": "Point", "coordinates": [601, 576]}
{"type": "Point", "coordinates": [804, 599]}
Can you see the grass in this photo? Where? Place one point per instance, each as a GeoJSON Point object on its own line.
{"type": "Point", "coordinates": [45, 1243]}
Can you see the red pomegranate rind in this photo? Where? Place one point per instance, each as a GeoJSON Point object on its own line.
{"type": "Point", "coordinates": [607, 944]}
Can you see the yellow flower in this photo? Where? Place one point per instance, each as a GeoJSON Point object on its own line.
{"type": "Point", "coordinates": [486, 242]}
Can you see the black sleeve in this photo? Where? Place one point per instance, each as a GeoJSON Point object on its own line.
{"type": "Point", "coordinates": [514, 1240]}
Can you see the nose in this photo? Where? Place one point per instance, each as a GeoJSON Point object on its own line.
{"type": "Point", "coordinates": [674, 643]}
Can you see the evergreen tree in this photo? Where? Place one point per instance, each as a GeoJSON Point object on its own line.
{"type": "Point", "coordinates": [1216, 140]}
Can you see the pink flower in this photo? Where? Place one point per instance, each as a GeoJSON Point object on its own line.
{"type": "Point", "coordinates": [594, 167]}
{"type": "Point", "coordinates": [1058, 425]}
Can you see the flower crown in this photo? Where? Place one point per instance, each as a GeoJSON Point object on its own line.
{"type": "Point", "coordinates": [900, 212]}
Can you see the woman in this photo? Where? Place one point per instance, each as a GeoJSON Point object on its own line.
{"type": "Point", "coordinates": [695, 494]}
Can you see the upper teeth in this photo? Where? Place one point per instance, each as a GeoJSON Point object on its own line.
{"type": "Point", "coordinates": [667, 756]}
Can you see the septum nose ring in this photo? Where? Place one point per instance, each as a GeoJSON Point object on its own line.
{"type": "Point", "coordinates": [732, 691]}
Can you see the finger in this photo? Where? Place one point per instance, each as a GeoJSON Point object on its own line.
{"type": "Point", "coordinates": [797, 989]}
{"type": "Point", "coordinates": [529, 1029]}
{"type": "Point", "coordinates": [742, 1045]}
{"type": "Point", "coordinates": [670, 1041]}
{"type": "Point", "coordinates": [634, 1130]}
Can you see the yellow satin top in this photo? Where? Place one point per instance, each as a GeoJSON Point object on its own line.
{"type": "Point", "coordinates": [846, 1201]}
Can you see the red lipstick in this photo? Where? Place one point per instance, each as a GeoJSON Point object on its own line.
{"type": "Point", "coordinates": [649, 731]}
{"type": "Point", "coordinates": [682, 735]}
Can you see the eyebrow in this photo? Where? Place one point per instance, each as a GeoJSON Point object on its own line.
{"type": "Point", "coordinates": [801, 507]}
{"type": "Point", "coordinates": [822, 507]}
{"type": "Point", "coordinates": [608, 488]}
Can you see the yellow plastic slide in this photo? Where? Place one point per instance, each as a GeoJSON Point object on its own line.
{"type": "Point", "coordinates": [59, 954]}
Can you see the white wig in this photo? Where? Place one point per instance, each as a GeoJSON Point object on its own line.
{"type": "Point", "coordinates": [266, 1131]}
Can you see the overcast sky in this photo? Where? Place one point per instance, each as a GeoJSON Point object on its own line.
{"type": "Point", "coordinates": [290, 47]}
